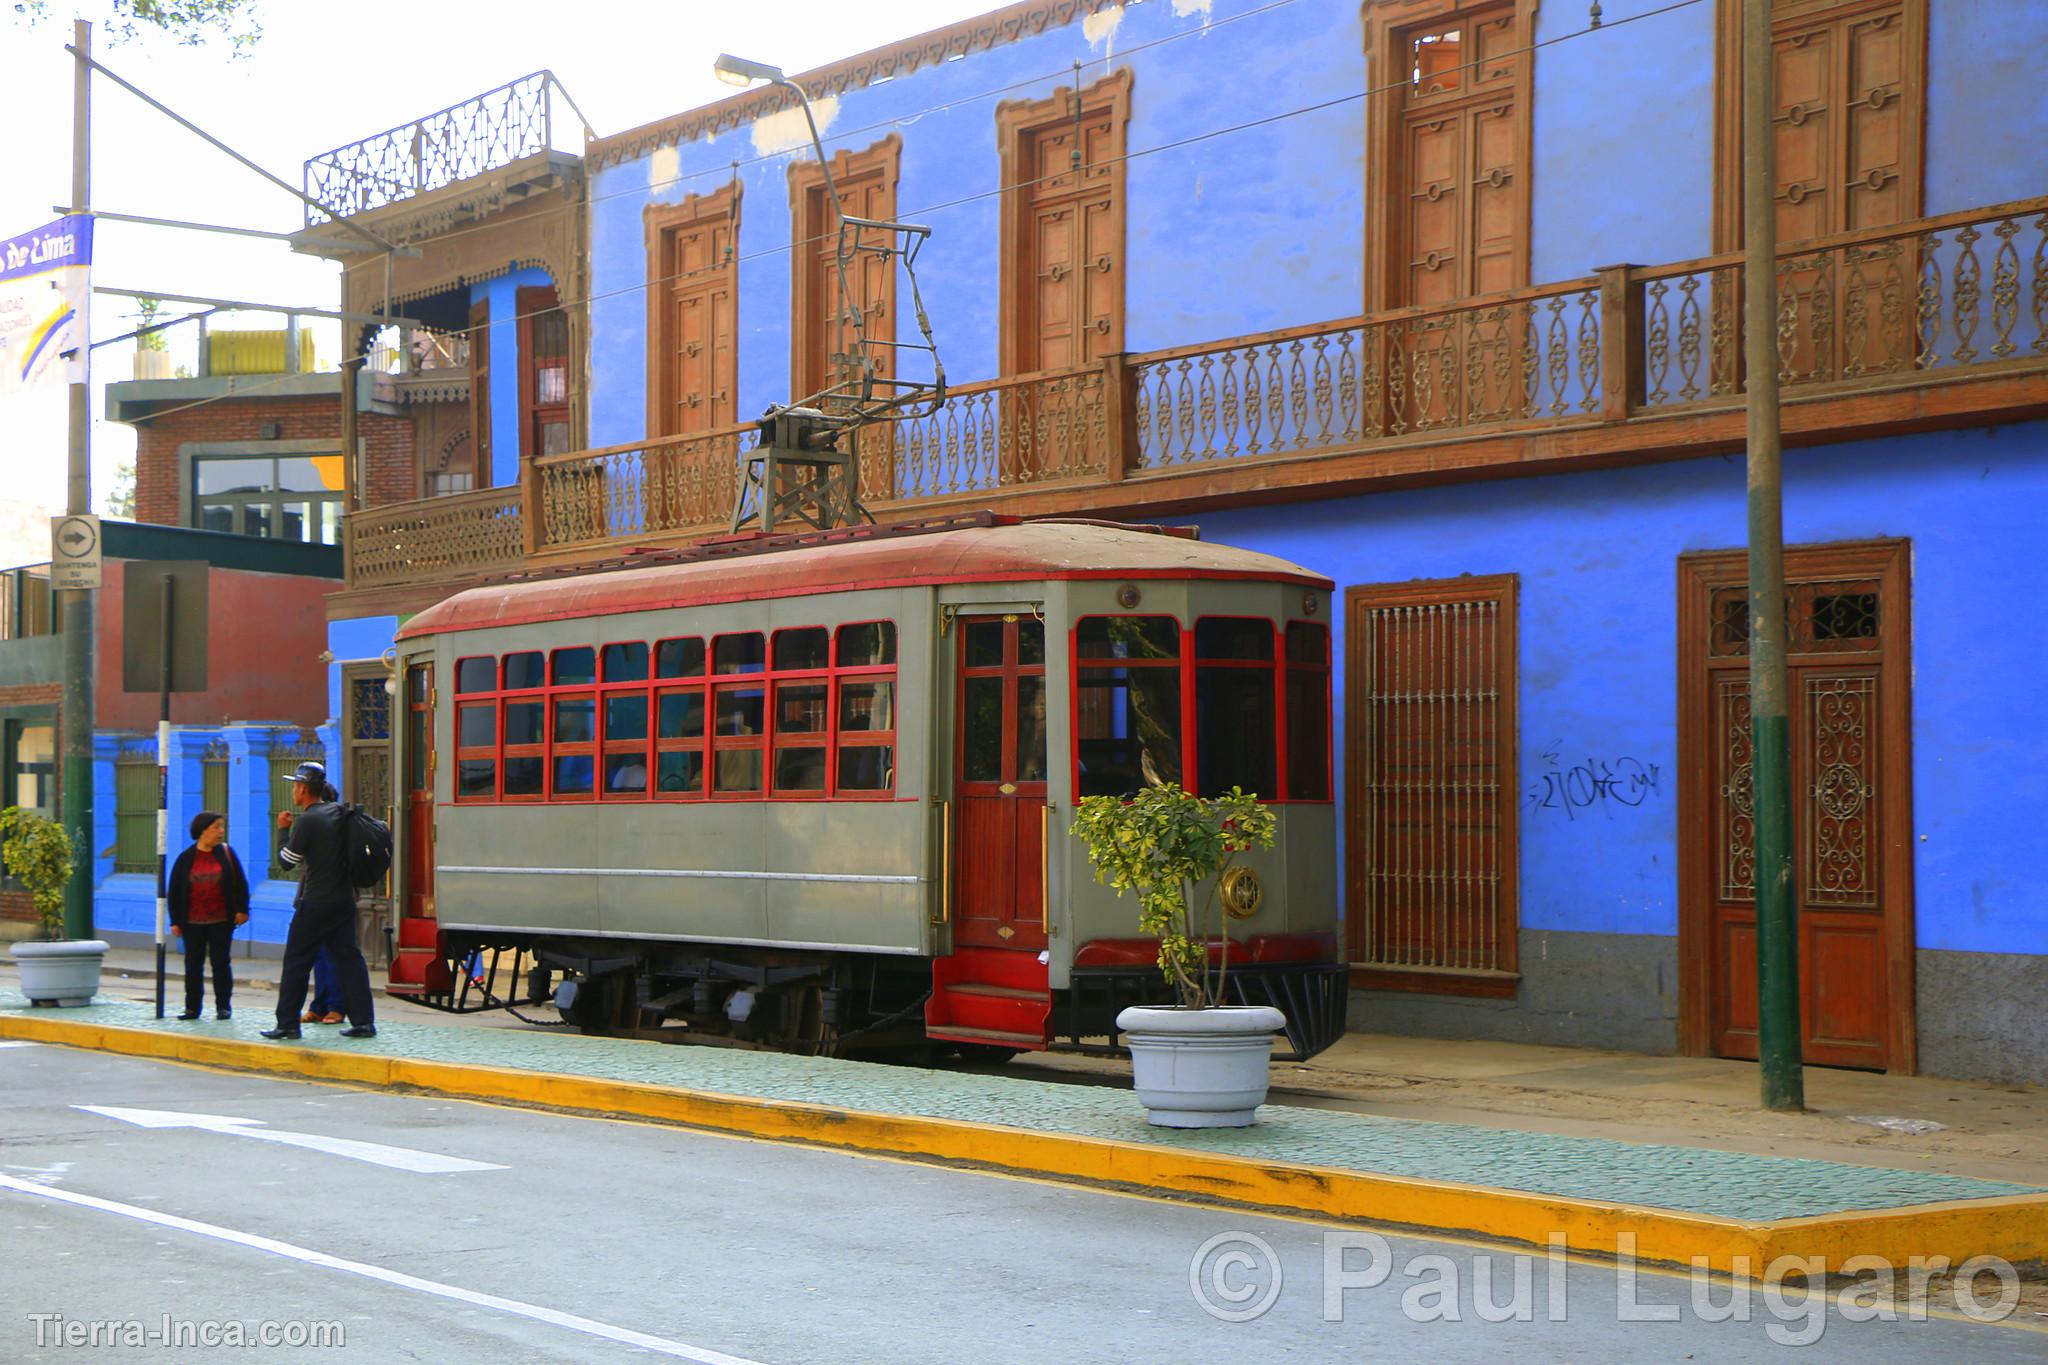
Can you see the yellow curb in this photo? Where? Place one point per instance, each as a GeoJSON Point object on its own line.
{"type": "Point", "coordinates": [2012, 1227]}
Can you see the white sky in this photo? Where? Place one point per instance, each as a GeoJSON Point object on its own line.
{"type": "Point", "coordinates": [322, 77]}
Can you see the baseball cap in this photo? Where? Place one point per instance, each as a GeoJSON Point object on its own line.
{"type": "Point", "coordinates": [309, 771]}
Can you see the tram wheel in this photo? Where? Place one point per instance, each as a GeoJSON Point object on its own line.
{"type": "Point", "coordinates": [813, 1037]}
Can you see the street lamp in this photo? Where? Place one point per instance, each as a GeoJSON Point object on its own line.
{"type": "Point", "coordinates": [741, 72]}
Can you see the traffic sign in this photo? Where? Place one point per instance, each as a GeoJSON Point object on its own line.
{"type": "Point", "coordinates": [74, 553]}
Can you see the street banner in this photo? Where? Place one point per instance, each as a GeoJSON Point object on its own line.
{"type": "Point", "coordinates": [44, 284]}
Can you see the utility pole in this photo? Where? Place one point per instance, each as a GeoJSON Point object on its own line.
{"type": "Point", "coordinates": [75, 608]}
{"type": "Point", "coordinates": [1777, 928]}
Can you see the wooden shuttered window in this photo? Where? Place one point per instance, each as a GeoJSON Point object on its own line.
{"type": "Point", "coordinates": [1448, 165]}
{"type": "Point", "coordinates": [1431, 734]}
{"type": "Point", "coordinates": [1063, 227]}
{"type": "Point", "coordinates": [692, 306]}
{"type": "Point", "coordinates": [866, 182]}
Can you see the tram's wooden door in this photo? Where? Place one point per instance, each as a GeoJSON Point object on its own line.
{"type": "Point", "coordinates": [419, 790]}
{"type": "Point", "coordinates": [999, 784]}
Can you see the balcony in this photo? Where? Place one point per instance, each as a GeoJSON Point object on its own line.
{"type": "Point", "coordinates": [511, 128]}
{"type": "Point", "coordinates": [1939, 322]}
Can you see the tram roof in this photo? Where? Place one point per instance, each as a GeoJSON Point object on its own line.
{"type": "Point", "coordinates": [1024, 552]}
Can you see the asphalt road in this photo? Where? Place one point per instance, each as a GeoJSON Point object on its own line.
{"type": "Point", "coordinates": [570, 1239]}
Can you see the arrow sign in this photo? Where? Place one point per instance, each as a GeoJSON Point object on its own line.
{"type": "Point", "coordinates": [397, 1158]}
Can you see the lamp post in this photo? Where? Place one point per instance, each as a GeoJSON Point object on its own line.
{"type": "Point", "coordinates": [741, 72]}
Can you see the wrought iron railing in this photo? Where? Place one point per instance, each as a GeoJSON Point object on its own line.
{"type": "Point", "coordinates": [484, 132]}
{"type": "Point", "coordinates": [1938, 297]}
{"type": "Point", "coordinates": [462, 535]}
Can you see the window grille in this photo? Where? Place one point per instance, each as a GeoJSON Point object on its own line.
{"type": "Point", "coordinates": [135, 800]}
{"type": "Point", "coordinates": [1432, 733]}
{"type": "Point", "coordinates": [213, 778]}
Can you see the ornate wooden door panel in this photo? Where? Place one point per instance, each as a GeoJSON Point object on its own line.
{"type": "Point", "coordinates": [999, 788]}
{"type": "Point", "coordinates": [701, 383]}
{"type": "Point", "coordinates": [1851, 863]}
{"type": "Point", "coordinates": [867, 189]}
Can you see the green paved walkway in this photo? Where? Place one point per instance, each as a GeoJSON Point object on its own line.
{"type": "Point", "coordinates": [1685, 1179]}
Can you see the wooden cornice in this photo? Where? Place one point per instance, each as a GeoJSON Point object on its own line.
{"type": "Point", "coordinates": [1026, 19]}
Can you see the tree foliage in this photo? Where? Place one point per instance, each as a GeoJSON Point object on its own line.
{"type": "Point", "coordinates": [38, 855]}
{"type": "Point", "coordinates": [1163, 845]}
{"type": "Point", "coordinates": [190, 22]}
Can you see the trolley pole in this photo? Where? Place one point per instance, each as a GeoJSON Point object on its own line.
{"type": "Point", "coordinates": [75, 607]}
{"type": "Point", "coordinates": [1777, 930]}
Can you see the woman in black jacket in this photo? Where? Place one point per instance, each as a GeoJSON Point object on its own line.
{"type": "Point", "coordinates": [209, 900]}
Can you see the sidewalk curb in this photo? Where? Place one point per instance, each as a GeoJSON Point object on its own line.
{"type": "Point", "coordinates": [2014, 1228]}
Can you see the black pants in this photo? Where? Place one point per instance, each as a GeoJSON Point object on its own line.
{"type": "Point", "coordinates": [204, 942]}
{"type": "Point", "coordinates": [332, 927]}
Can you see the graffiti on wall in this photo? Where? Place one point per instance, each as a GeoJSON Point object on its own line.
{"type": "Point", "coordinates": [1596, 784]}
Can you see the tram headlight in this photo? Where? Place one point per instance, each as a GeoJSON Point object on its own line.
{"type": "Point", "coordinates": [1243, 893]}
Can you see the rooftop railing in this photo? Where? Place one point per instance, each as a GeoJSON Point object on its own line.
{"type": "Point", "coordinates": [481, 134]}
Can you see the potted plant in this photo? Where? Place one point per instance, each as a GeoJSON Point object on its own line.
{"type": "Point", "coordinates": [53, 970]}
{"type": "Point", "coordinates": [1201, 1063]}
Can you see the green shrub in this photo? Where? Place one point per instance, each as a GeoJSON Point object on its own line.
{"type": "Point", "coordinates": [38, 855]}
{"type": "Point", "coordinates": [1162, 845]}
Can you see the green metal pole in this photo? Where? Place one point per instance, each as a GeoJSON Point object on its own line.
{"type": "Point", "coordinates": [1777, 929]}
{"type": "Point", "coordinates": [75, 608]}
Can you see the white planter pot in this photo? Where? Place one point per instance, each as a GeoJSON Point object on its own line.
{"type": "Point", "coordinates": [66, 972]}
{"type": "Point", "coordinates": [1201, 1068]}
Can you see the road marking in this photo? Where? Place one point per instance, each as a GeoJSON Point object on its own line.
{"type": "Point", "coordinates": [532, 1311]}
{"type": "Point", "coordinates": [17, 1042]}
{"type": "Point", "coordinates": [53, 1174]}
{"type": "Point", "coordinates": [397, 1158]}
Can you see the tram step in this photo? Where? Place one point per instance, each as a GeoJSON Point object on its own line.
{"type": "Point", "coordinates": [421, 969]}
{"type": "Point", "coordinates": [419, 931]}
{"type": "Point", "coordinates": [990, 1037]}
{"type": "Point", "coordinates": [995, 992]}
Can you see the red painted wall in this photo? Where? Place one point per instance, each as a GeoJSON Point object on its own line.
{"type": "Point", "coordinates": [265, 633]}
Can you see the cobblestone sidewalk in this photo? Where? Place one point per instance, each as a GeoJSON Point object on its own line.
{"type": "Point", "coordinates": [1681, 1179]}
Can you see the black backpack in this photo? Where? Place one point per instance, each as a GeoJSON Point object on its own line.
{"type": "Point", "coordinates": [367, 847]}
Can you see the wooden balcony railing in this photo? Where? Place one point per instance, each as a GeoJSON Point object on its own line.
{"type": "Point", "coordinates": [1936, 299]}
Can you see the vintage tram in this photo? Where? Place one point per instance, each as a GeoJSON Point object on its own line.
{"type": "Point", "coordinates": [814, 792]}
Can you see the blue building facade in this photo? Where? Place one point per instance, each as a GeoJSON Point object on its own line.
{"type": "Point", "coordinates": [1271, 167]}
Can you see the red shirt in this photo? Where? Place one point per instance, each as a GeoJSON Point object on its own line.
{"type": "Point", "coordinates": [209, 902]}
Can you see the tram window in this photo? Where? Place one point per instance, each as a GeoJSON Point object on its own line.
{"type": "Point", "coordinates": [1030, 644]}
{"type": "Point", "coordinates": [981, 758]}
{"type": "Point", "coordinates": [871, 644]}
{"type": "Point", "coordinates": [797, 650]}
{"type": "Point", "coordinates": [679, 659]}
{"type": "Point", "coordinates": [625, 774]}
{"type": "Point", "coordinates": [985, 644]}
{"type": "Point", "coordinates": [799, 768]}
{"type": "Point", "coordinates": [1031, 729]}
{"type": "Point", "coordinates": [476, 726]}
{"type": "Point", "coordinates": [523, 775]}
{"type": "Point", "coordinates": [680, 772]}
{"type": "Point", "coordinates": [573, 774]}
{"type": "Point", "coordinates": [523, 671]}
{"type": "Point", "coordinates": [625, 717]}
{"type": "Point", "coordinates": [1127, 718]}
{"type": "Point", "coordinates": [1308, 712]}
{"type": "Point", "coordinates": [738, 654]}
{"type": "Point", "coordinates": [869, 768]}
{"type": "Point", "coordinates": [800, 709]}
{"type": "Point", "coordinates": [476, 777]}
{"type": "Point", "coordinates": [738, 711]}
{"type": "Point", "coordinates": [575, 720]}
{"type": "Point", "coordinates": [476, 675]}
{"type": "Point", "coordinates": [680, 715]}
{"type": "Point", "coordinates": [523, 723]}
{"type": "Point", "coordinates": [1236, 744]}
{"type": "Point", "coordinates": [865, 705]}
{"type": "Point", "coordinates": [625, 662]}
{"type": "Point", "coordinates": [575, 666]}
{"type": "Point", "coordinates": [736, 770]}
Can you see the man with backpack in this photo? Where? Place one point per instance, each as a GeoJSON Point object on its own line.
{"type": "Point", "coordinates": [324, 911]}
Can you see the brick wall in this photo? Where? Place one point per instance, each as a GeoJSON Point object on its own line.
{"type": "Point", "coordinates": [390, 473]}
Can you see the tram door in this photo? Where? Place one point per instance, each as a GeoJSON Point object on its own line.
{"type": "Point", "coordinates": [419, 790]}
{"type": "Point", "coordinates": [999, 786]}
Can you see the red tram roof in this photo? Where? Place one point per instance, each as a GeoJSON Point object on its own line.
{"type": "Point", "coordinates": [1027, 552]}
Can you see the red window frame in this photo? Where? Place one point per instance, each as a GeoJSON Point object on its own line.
{"type": "Point", "coordinates": [688, 684]}
{"type": "Point", "coordinates": [1290, 671]}
{"type": "Point", "coordinates": [1184, 649]}
{"type": "Point", "coordinates": [1190, 724]}
{"type": "Point", "coordinates": [705, 684]}
{"type": "Point", "coordinates": [486, 699]}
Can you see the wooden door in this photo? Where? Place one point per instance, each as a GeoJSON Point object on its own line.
{"type": "Point", "coordinates": [1847, 704]}
{"type": "Point", "coordinates": [419, 790]}
{"type": "Point", "coordinates": [999, 784]}
{"type": "Point", "coordinates": [1071, 312]}
{"type": "Point", "coordinates": [697, 378]}
{"type": "Point", "coordinates": [822, 330]}
{"type": "Point", "coordinates": [543, 372]}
